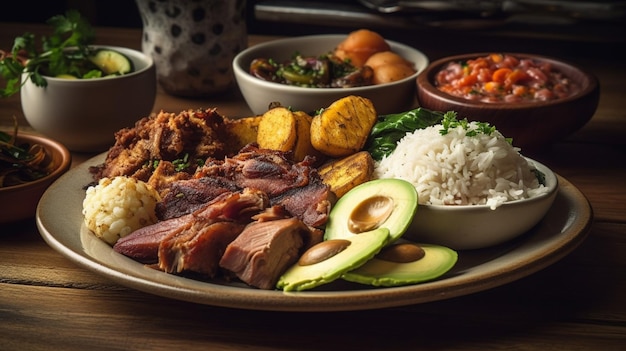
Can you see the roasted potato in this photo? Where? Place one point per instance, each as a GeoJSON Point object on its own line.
{"type": "Point", "coordinates": [342, 128]}
{"type": "Point", "coordinates": [389, 67]}
{"type": "Point", "coordinates": [360, 45]}
{"type": "Point", "coordinates": [345, 173]}
{"type": "Point", "coordinates": [278, 130]}
{"type": "Point", "coordinates": [242, 131]}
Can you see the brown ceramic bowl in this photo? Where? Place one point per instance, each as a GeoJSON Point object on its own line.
{"type": "Point", "coordinates": [20, 201]}
{"type": "Point", "coordinates": [531, 125]}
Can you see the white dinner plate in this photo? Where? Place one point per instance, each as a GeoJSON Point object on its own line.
{"type": "Point", "coordinates": [565, 226]}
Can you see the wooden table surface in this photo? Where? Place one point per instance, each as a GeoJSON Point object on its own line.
{"type": "Point", "coordinates": [578, 303]}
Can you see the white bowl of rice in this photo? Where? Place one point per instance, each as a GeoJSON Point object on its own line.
{"type": "Point", "coordinates": [475, 191]}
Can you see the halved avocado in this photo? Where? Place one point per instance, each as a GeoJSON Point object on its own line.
{"type": "Point", "coordinates": [381, 203]}
{"type": "Point", "coordinates": [436, 261]}
{"type": "Point", "coordinates": [112, 62]}
{"type": "Point", "coordinates": [354, 252]}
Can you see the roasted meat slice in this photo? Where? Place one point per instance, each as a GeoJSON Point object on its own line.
{"type": "Point", "coordinates": [235, 206]}
{"type": "Point", "coordinates": [143, 244]}
{"type": "Point", "coordinates": [314, 236]}
{"type": "Point", "coordinates": [186, 196]}
{"type": "Point", "coordinates": [264, 250]}
{"type": "Point", "coordinates": [311, 203]}
{"type": "Point", "coordinates": [296, 186]}
{"type": "Point", "coordinates": [197, 249]}
{"type": "Point", "coordinates": [268, 170]}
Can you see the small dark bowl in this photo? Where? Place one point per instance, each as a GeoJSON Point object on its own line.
{"type": "Point", "coordinates": [531, 125]}
{"type": "Point", "coordinates": [20, 201]}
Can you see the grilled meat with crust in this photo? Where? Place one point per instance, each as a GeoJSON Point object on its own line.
{"type": "Point", "coordinates": [164, 147]}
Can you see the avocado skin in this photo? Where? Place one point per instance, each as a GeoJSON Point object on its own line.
{"type": "Point", "coordinates": [362, 248]}
{"type": "Point", "coordinates": [405, 205]}
{"type": "Point", "coordinates": [437, 261]}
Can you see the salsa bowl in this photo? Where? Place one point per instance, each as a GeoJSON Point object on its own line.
{"type": "Point", "coordinates": [388, 98]}
{"type": "Point", "coordinates": [531, 124]}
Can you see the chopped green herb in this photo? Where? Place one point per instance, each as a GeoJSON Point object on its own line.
{"type": "Point", "coordinates": [180, 164]}
{"type": "Point", "coordinates": [450, 121]}
{"type": "Point", "coordinates": [54, 59]}
{"type": "Point", "coordinates": [65, 53]}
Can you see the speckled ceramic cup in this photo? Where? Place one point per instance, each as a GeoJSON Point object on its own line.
{"type": "Point", "coordinates": [193, 43]}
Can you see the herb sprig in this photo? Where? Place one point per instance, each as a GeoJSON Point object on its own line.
{"type": "Point", "coordinates": [450, 121]}
{"type": "Point", "coordinates": [21, 162]}
{"type": "Point", "coordinates": [69, 30]}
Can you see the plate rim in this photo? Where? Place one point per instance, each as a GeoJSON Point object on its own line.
{"type": "Point", "coordinates": [186, 289]}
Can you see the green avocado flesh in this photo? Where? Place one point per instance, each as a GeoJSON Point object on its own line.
{"type": "Point", "coordinates": [402, 194]}
{"type": "Point", "coordinates": [372, 216]}
{"type": "Point", "coordinates": [112, 62]}
{"type": "Point", "coordinates": [362, 248]}
{"type": "Point", "coordinates": [436, 261]}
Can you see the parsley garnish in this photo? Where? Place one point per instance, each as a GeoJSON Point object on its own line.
{"type": "Point", "coordinates": [53, 59]}
{"type": "Point", "coordinates": [450, 121]}
{"type": "Point", "coordinates": [180, 164]}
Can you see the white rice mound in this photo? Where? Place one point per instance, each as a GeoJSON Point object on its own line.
{"type": "Point", "coordinates": [456, 169]}
{"type": "Point", "coordinates": [116, 207]}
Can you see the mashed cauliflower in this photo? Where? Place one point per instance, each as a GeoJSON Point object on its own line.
{"type": "Point", "coordinates": [116, 207]}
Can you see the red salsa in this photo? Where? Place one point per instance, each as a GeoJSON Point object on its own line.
{"type": "Point", "coordinates": [504, 78]}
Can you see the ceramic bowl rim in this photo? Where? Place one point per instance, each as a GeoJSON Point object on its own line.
{"type": "Point", "coordinates": [243, 73]}
{"type": "Point", "coordinates": [132, 54]}
{"type": "Point", "coordinates": [424, 82]}
{"type": "Point", "coordinates": [552, 185]}
{"type": "Point", "coordinates": [52, 147]}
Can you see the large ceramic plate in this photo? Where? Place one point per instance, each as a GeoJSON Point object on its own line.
{"type": "Point", "coordinates": [60, 223]}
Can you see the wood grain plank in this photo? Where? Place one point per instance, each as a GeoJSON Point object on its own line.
{"type": "Point", "coordinates": [60, 318]}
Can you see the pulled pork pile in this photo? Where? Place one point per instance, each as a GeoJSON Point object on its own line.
{"type": "Point", "coordinates": [165, 147]}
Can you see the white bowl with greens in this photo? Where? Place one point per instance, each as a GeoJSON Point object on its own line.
{"type": "Point", "coordinates": [475, 188]}
{"type": "Point", "coordinates": [259, 94]}
{"type": "Point", "coordinates": [74, 91]}
{"type": "Point", "coordinates": [84, 114]}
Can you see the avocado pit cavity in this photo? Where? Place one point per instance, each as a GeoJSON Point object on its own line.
{"type": "Point", "coordinates": [401, 253]}
{"type": "Point", "coordinates": [370, 213]}
{"type": "Point", "coordinates": [388, 203]}
{"type": "Point", "coordinates": [323, 251]}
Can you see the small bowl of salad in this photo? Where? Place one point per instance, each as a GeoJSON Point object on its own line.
{"type": "Point", "coordinates": [29, 163]}
{"type": "Point", "coordinates": [85, 113]}
{"type": "Point", "coordinates": [309, 73]}
{"type": "Point", "coordinates": [76, 92]}
{"type": "Point", "coordinates": [535, 100]}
